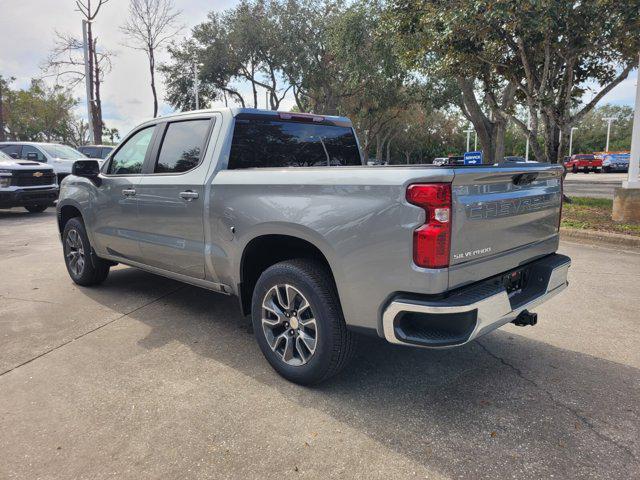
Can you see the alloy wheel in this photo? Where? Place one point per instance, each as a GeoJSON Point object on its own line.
{"type": "Point", "coordinates": [75, 252]}
{"type": "Point", "coordinates": [289, 325]}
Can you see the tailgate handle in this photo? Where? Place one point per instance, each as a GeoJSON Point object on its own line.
{"type": "Point", "coordinates": [524, 178]}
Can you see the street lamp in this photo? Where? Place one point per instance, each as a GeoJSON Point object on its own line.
{"type": "Point", "coordinates": [468, 132]}
{"type": "Point", "coordinates": [609, 120]}
{"type": "Point", "coordinates": [571, 139]}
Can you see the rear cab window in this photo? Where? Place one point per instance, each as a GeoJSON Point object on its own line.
{"type": "Point", "coordinates": [271, 141]}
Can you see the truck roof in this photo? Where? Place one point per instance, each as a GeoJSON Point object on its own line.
{"type": "Point", "coordinates": [235, 111]}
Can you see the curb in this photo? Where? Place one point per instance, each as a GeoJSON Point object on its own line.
{"type": "Point", "coordinates": [596, 237]}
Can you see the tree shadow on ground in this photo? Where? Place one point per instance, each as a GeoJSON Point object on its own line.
{"type": "Point", "coordinates": [506, 403]}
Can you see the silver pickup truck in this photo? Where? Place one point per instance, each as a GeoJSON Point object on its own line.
{"type": "Point", "coordinates": [277, 209]}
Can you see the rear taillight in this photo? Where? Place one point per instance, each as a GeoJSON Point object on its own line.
{"type": "Point", "coordinates": [432, 241]}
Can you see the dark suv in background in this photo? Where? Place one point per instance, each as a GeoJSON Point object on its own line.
{"type": "Point", "coordinates": [96, 151]}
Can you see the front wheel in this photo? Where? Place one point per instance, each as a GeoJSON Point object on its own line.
{"type": "Point", "coordinates": [606, 169]}
{"type": "Point", "coordinates": [35, 208]}
{"type": "Point", "coordinates": [298, 322]}
{"type": "Point", "coordinates": [574, 169]}
{"type": "Point", "coordinates": [84, 268]}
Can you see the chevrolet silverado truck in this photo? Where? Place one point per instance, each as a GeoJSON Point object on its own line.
{"type": "Point", "coordinates": [279, 210]}
{"type": "Point", "coordinates": [26, 184]}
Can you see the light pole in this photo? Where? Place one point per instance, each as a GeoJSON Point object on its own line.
{"type": "Point", "coordinates": [609, 120]}
{"type": "Point", "coordinates": [571, 139]}
{"type": "Point", "coordinates": [87, 79]}
{"type": "Point", "coordinates": [468, 132]}
{"type": "Point", "coordinates": [633, 180]}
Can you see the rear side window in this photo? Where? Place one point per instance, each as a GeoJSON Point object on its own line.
{"type": "Point", "coordinates": [129, 158]}
{"type": "Point", "coordinates": [277, 143]}
{"type": "Point", "coordinates": [182, 146]}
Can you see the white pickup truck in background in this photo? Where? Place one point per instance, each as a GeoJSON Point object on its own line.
{"type": "Point", "coordinates": [27, 184]}
{"type": "Point", "coordinates": [60, 157]}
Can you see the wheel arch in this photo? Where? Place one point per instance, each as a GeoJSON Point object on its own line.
{"type": "Point", "coordinates": [265, 250]}
{"type": "Point", "coordinates": [65, 213]}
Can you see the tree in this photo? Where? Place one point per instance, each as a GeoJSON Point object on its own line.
{"type": "Point", "coordinates": [39, 113]}
{"type": "Point", "coordinates": [4, 91]}
{"type": "Point", "coordinates": [67, 61]}
{"type": "Point", "coordinates": [232, 47]}
{"type": "Point", "coordinates": [548, 51]}
{"type": "Point", "coordinates": [151, 24]}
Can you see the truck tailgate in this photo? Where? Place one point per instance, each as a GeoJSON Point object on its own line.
{"type": "Point", "coordinates": [500, 210]}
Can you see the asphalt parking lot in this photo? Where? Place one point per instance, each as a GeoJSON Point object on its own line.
{"type": "Point", "coordinates": [146, 378]}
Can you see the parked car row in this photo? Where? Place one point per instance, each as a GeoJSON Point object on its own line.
{"type": "Point", "coordinates": [30, 172]}
{"type": "Point", "coordinates": [59, 157]}
{"type": "Point", "coordinates": [597, 162]}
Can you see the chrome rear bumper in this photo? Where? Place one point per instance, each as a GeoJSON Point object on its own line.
{"type": "Point", "coordinates": [473, 311]}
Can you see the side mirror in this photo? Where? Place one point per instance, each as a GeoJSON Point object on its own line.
{"type": "Point", "coordinates": [32, 156]}
{"type": "Point", "coordinates": [86, 168]}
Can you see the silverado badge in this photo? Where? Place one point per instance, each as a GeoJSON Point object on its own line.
{"type": "Point", "coordinates": [38, 174]}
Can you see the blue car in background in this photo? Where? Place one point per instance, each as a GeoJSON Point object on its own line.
{"type": "Point", "coordinates": [616, 162]}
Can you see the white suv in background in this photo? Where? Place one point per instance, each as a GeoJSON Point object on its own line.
{"type": "Point", "coordinates": [59, 157]}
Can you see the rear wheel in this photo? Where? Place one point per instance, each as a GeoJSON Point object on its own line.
{"type": "Point", "coordinates": [298, 322]}
{"type": "Point", "coordinates": [84, 267]}
{"type": "Point", "coordinates": [35, 208]}
{"type": "Point", "coordinates": [606, 169]}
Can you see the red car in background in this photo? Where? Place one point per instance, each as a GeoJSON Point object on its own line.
{"type": "Point", "coordinates": [585, 162]}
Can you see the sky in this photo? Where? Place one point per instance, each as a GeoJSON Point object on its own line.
{"type": "Point", "coordinates": [27, 32]}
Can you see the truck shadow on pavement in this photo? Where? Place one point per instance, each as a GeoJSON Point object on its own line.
{"type": "Point", "coordinates": [506, 405]}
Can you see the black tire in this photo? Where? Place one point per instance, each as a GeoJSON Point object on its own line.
{"type": "Point", "coordinates": [36, 208]}
{"type": "Point", "coordinates": [574, 169]}
{"type": "Point", "coordinates": [334, 343]}
{"type": "Point", "coordinates": [93, 270]}
{"type": "Point", "coordinates": [606, 169]}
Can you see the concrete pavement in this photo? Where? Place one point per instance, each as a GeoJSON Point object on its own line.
{"type": "Point", "coordinates": [146, 378]}
{"type": "Point", "coordinates": [593, 185]}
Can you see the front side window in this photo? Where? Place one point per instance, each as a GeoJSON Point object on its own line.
{"type": "Point", "coordinates": [36, 154]}
{"type": "Point", "coordinates": [277, 143]}
{"type": "Point", "coordinates": [182, 146]}
{"type": "Point", "coordinates": [129, 158]}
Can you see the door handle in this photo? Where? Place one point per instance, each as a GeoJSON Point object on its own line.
{"type": "Point", "coordinates": [189, 195]}
{"type": "Point", "coordinates": [129, 192]}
